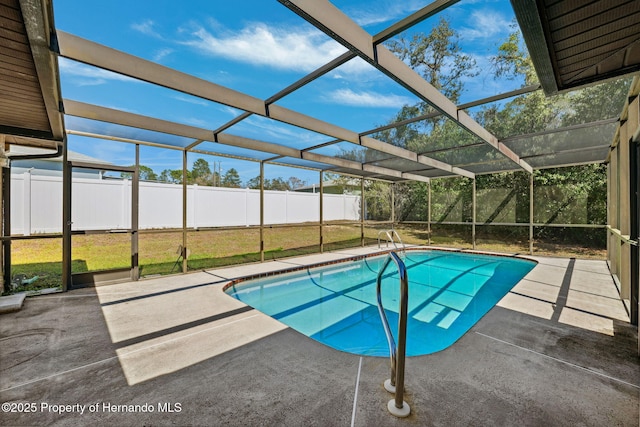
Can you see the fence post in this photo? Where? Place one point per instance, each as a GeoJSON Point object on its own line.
{"type": "Point", "coordinates": [26, 199]}
{"type": "Point", "coordinates": [286, 206]}
{"type": "Point", "coordinates": [345, 208]}
{"type": "Point", "coordinates": [195, 206]}
{"type": "Point", "coordinates": [321, 210]}
{"type": "Point", "coordinates": [124, 211]}
{"type": "Point", "coordinates": [246, 206]}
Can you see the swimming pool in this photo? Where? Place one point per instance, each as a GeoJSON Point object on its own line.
{"type": "Point", "coordinates": [336, 304]}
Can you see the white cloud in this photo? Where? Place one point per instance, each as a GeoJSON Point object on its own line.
{"type": "Point", "coordinates": [367, 99]}
{"type": "Point", "coordinates": [233, 112]}
{"type": "Point", "coordinates": [486, 25]}
{"type": "Point", "coordinates": [285, 48]}
{"type": "Point", "coordinates": [264, 126]}
{"type": "Point", "coordinates": [162, 53]}
{"type": "Point", "coordinates": [261, 44]}
{"type": "Point", "coordinates": [84, 75]}
{"type": "Point", "coordinates": [191, 100]}
{"type": "Point", "coordinates": [389, 10]}
{"type": "Point", "coordinates": [146, 27]}
{"type": "Point", "coordinates": [356, 66]}
{"type": "Point", "coordinates": [197, 122]}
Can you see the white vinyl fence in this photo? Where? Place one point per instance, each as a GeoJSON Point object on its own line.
{"type": "Point", "coordinates": [36, 205]}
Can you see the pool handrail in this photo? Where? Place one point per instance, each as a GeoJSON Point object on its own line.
{"type": "Point", "coordinates": [395, 384]}
{"type": "Point", "coordinates": [390, 233]}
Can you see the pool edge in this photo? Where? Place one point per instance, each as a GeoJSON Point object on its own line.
{"type": "Point", "coordinates": [237, 280]}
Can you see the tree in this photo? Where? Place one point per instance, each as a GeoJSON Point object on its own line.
{"type": "Point", "coordinates": [145, 174]}
{"type": "Point", "coordinates": [377, 199]}
{"type": "Point", "coordinates": [201, 172]}
{"type": "Point", "coordinates": [174, 176]}
{"type": "Point", "coordinates": [512, 61]}
{"type": "Point", "coordinates": [295, 183]}
{"type": "Point", "coordinates": [438, 57]}
{"type": "Point", "coordinates": [536, 112]}
{"type": "Point", "coordinates": [575, 194]}
{"type": "Point", "coordinates": [231, 179]}
{"type": "Point", "coordinates": [521, 115]}
{"type": "Point", "coordinates": [253, 183]}
{"type": "Point", "coordinates": [164, 176]}
{"type": "Point", "coordinates": [278, 184]}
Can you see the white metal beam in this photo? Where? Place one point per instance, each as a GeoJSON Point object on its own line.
{"type": "Point", "coordinates": [110, 115]}
{"type": "Point", "coordinates": [382, 171]}
{"type": "Point", "coordinates": [92, 53]}
{"type": "Point", "coordinates": [103, 114]}
{"type": "Point", "coordinates": [415, 177]}
{"type": "Point", "coordinates": [340, 27]}
{"type": "Point", "coordinates": [385, 34]}
{"type": "Point", "coordinates": [413, 19]}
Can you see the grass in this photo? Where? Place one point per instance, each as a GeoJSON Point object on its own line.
{"type": "Point", "coordinates": [158, 252]}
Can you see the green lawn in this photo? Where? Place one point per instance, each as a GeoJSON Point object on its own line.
{"type": "Point", "coordinates": [214, 248]}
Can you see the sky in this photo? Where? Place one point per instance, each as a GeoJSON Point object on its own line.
{"type": "Point", "coordinates": [257, 47]}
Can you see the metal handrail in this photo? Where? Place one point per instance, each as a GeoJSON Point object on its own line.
{"type": "Point", "coordinates": [390, 233]}
{"type": "Point", "coordinates": [395, 384]}
{"type": "Point", "coordinates": [622, 237]}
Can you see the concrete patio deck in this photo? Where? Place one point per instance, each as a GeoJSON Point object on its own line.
{"type": "Point", "coordinates": [557, 350]}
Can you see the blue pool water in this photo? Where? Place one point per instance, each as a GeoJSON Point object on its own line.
{"type": "Point", "coordinates": [336, 305]}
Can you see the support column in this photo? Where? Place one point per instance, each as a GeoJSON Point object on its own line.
{"type": "Point", "coordinates": [66, 219]}
{"type": "Point", "coordinates": [609, 234]}
{"type": "Point", "coordinates": [6, 227]}
{"type": "Point", "coordinates": [473, 214]}
{"type": "Point", "coordinates": [633, 201]}
{"type": "Point", "coordinates": [531, 214]}
{"type": "Point", "coordinates": [321, 212]}
{"type": "Point", "coordinates": [185, 266]}
{"type": "Point", "coordinates": [262, 211]}
{"type": "Point", "coordinates": [362, 212]}
{"type": "Point", "coordinates": [624, 210]}
{"type": "Point", "coordinates": [135, 200]}
{"type": "Point", "coordinates": [635, 233]}
{"type": "Point", "coordinates": [393, 204]}
{"type": "Point", "coordinates": [429, 213]}
{"type": "Point", "coordinates": [612, 211]}
{"type": "Point", "coordinates": [4, 286]}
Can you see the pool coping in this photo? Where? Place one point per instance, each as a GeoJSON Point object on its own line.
{"type": "Point", "coordinates": [297, 268]}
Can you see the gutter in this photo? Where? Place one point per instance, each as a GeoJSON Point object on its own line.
{"type": "Point", "coordinates": [56, 153]}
